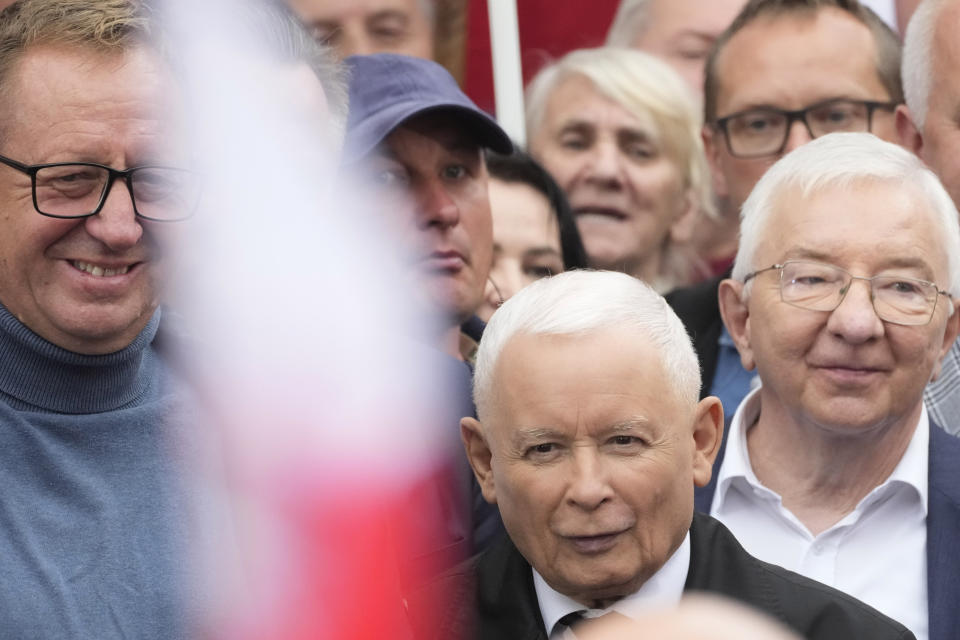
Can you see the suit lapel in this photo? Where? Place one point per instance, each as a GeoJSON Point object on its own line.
{"type": "Point", "coordinates": [507, 601]}
{"type": "Point", "coordinates": [943, 528]}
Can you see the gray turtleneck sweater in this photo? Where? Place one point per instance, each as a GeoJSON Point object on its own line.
{"type": "Point", "coordinates": [90, 513]}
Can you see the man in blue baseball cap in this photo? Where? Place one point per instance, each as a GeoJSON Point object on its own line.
{"type": "Point", "coordinates": [421, 139]}
{"type": "Point", "coordinates": [414, 135]}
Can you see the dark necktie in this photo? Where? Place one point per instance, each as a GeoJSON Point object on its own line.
{"type": "Point", "coordinates": [575, 622]}
{"type": "Point", "coordinates": [571, 620]}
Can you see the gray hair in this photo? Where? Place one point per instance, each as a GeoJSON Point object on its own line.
{"type": "Point", "coordinates": [629, 22]}
{"type": "Point", "coordinates": [582, 302]}
{"type": "Point", "coordinates": [917, 64]}
{"type": "Point", "coordinates": [839, 160]}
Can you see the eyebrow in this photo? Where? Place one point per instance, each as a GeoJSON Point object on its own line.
{"type": "Point", "coordinates": [705, 36]}
{"type": "Point", "coordinates": [578, 126]}
{"type": "Point", "coordinates": [389, 14]}
{"type": "Point", "coordinates": [630, 424]}
{"type": "Point", "coordinates": [541, 251]}
{"type": "Point", "coordinates": [523, 435]}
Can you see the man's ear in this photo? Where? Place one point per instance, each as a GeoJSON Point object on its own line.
{"type": "Point", "coordinates": [712, 140]}
{"type": "Point", "coordinates": [736, 317]}
{"type": "Point", "coordinates": [707, 435]}
{"type": "Point", "coordinates": [949, 337]}
{"type": "Point", "coordinates": [479, 455]}
{"type": "Point", "coordinates": [910, 137]}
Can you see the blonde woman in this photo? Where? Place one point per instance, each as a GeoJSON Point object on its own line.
{"type": "Point", "coordinates": [619, 131]}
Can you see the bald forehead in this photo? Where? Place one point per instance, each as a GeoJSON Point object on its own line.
{"type": "Point", "coordinates": [547, 369]}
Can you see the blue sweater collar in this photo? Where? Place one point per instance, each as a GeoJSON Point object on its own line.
{"type": "Point", "coordinates": [39, 375]}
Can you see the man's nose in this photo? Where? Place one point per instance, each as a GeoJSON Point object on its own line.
{"type": "Point", "coordinates": [856, 319]}
{"type": "Point", "coordinates": [435, 205]}
{"type": "Point", "coordinates": [589, 484]}
{"type": "Point", "coordinates": [354, 41]}
{"type": "Point", "coordinates": [797, 136]}
{"type": "Point", "coordinates": [117, 225]}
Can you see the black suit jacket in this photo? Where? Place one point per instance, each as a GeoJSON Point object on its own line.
{"type": "Point", "coordinates": [507, 608]}
{"type": "Point", "coordinates": [699, 310]}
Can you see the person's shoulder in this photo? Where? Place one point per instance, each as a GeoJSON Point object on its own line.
{"type": "Point", "coordinates": [443, 608]}
{"type": "Point", "coordinates": [696, 301]}
{"type": "Point", "coordinates": [829, 611]}
{"type": "Point", "coordinates": [816, 610]}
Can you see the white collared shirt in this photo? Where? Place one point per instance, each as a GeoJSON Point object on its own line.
{"type": "Point", "coordinates": [876, 553]}
{"type": "Point", "coordinates": [662, 589]}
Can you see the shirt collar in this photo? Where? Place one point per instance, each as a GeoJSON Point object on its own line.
{"type": "Point", "coordinates": [911, 470]}
{"type": "Point", "coordinates": [664, 588]}
{"type": "Point", "coordinates": [736, 460]}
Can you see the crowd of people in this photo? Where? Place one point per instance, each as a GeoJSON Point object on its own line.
{"type": "Point", "coordinates": [697, 342]}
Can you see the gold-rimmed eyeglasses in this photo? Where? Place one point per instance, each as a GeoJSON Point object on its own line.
{"type": "Point", "coordinates": [818, 286]}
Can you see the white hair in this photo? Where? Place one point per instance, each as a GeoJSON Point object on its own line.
{"type": "Point", "coordinates": [628, 23]}
{"type": "Point", "coordinates": [840, 160]}
{"type": "Point", "coordinates": [583, 302]}
{"type": "Point", "coordinates": [916, 66]}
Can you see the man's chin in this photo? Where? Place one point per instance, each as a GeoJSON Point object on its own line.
{"type": "Point", "coordinates": [101, 331]}
{"type": "Point", "coordinates": [451, 302]}
{"type": "Point", "coordinates": [602, 591]}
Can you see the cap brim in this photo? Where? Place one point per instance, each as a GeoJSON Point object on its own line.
{"type": "Point", "coordinates": [368, 135]}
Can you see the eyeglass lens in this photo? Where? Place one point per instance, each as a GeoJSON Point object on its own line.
{"type": "Point", "coordinates": [764, 131]}
{"type": "Point", "coordinates": [76, 190]}
{"type": "Point", "coordinates": [821, 287]}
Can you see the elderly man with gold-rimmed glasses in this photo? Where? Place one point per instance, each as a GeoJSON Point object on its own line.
{"type": "Point", "coordinates": [842, 297]}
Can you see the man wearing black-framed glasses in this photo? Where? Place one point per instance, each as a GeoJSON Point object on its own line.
{"type": "Point", "coordinates": [89, 178]}
{"type": "Point", "coordinates": [785, 72]}
{"type": "Point", "coordinates": [844, 297]}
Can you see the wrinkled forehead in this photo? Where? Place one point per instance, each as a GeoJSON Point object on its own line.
{"type": "Point", "coordinates": [608, 373]}
{"type": "Point", "coordinates": [80, 74]}
{"type": "Point", "coordinates": [868, 220]}
{"type": "Point", "coordinates": [581, 99]}
{"type": "Point", "coordinates": [129, 93]}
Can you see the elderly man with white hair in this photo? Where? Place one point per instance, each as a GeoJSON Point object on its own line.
{"type": "Point", "coordinates": [842, 298]}
{"type": "Point", "coordinates": [928, 126]}
{"type": "Point", "coordinates": [590, 440]}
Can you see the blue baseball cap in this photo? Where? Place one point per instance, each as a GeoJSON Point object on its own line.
{"type": "Point", "coordinates": [387, 89]}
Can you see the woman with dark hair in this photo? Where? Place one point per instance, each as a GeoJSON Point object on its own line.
{"type": "Point", "coordinates": [534, 233]}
